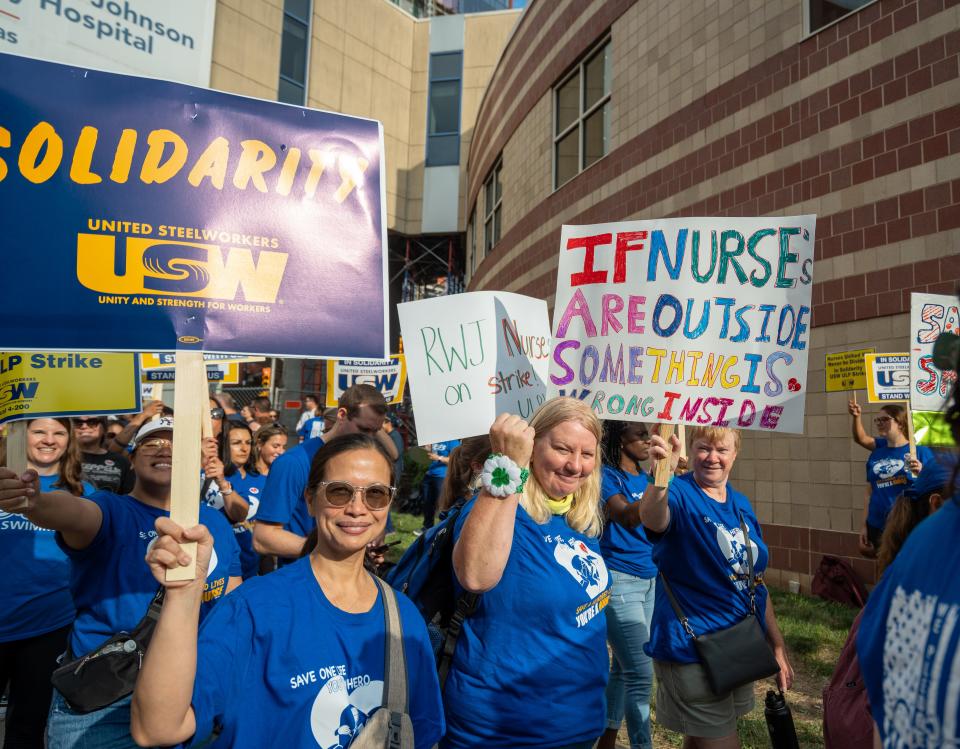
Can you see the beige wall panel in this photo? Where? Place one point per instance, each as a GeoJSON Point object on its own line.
{"type": "Point", "coordinates": [248, 45]}
{"type": "Point", "coordinates": [224, 79]}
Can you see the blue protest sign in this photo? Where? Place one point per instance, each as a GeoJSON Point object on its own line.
{"type": "Point", "coordinates": [142, 215]}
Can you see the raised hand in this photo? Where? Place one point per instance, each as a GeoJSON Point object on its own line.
{"type": "Point", "coordinates": [165, 553]}
{"type": "Point", "coordinates": [513, 437]}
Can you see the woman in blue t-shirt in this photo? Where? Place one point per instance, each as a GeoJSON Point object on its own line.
{"type": "Point", "coordinates": [890, 469]}
{"type": "Point", "coordinates": [530, 664]}
{"type": "Point", "coordinates": [35, 601]}
{"type": "Point", "coordinates": [235, 487]}
{"type": "Point", "coordinates": [294, 658]}
{"type": "Point", "coordinates": [699, 547]}
{"type": "Point", "coordinates": [106, 537]}
{"type": "Point", "coordinates": [633, 577]}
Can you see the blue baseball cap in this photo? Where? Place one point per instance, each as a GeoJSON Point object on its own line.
{"type": "Point", "coordinates": [935, 475]}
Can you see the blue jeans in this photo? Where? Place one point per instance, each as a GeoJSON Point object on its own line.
{"type": "Point", "coordinates": [108, 728]}
{"type": "Point", "coordinates": [631, 675]}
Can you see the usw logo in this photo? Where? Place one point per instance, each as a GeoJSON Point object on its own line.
{"type": "Point", "coordinates": [150, 266]}
{"type": "Point", "coordinates": [18, 391]}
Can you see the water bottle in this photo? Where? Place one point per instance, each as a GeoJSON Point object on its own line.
{"type": "Point", "coordinates": [783, 735]}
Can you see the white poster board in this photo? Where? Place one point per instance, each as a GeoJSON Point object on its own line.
{"type": "Point", "coordinates": [471, 357]}
{"type": "Point", "coordinates": [692, 320]}
{"type": "Point", "coordinates": [930, 315]}
{"type": "Point", "coordinates": [172, 40]}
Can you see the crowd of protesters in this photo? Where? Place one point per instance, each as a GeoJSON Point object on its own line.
{"type": "Point", "coordinates": [592, 584]}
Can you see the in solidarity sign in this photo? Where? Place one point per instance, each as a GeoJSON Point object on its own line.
{"type": "Point", "coordinates": [701, 321]}
{"type": "Point", "coordinates": [186, 219]}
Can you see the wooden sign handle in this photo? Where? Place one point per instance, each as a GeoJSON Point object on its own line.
{"type": "Point", "coordinates": [910, 435]}
{"type": "Point", "coordinates": [663, 471]}
{"type": "Point", "coordinates": [682, 436]}
{"type": "Point", "coordinates": [190, 391]}
{"type": "Point", "coordinates": [17, 447]}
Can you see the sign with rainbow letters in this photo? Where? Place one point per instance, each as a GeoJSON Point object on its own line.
{"type": "Point", "coordinates": [699, 321]}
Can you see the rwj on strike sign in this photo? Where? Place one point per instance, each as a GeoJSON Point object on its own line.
{"type": "Point", "coordinates": [693, 321]}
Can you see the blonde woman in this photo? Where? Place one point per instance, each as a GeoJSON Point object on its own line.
{"type": "Point", "coordinates": [531, 662]}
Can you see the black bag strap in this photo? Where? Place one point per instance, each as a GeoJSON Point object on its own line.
{"type": "Point", "coordinates": [466, 605]}
{"type": "Point", "coordinates": [675, 605]}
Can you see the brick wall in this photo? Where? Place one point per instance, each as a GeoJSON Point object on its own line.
{"type": "Point", "coordinates": [729, 111]}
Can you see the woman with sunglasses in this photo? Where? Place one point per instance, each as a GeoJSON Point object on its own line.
{"type": "Point", "coordinates": [105, 470]}
{"type": "Point", "coordinates": [633, 577]}
{"type": "Point", "coordinates": [35, 598]}
{"type": "Point", "coordinates": [106, 536]}
{"type": "Point", "coordinates": [890, 469]}
{"type": "Point", "coordinates": [294, 658]}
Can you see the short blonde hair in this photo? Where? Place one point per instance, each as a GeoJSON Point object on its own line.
{"type": "Point", "coordinates": [712, 435]}
{"type": "Point", "coordinates": [584, 515]}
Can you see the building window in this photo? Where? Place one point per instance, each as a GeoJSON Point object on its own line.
{"type": "Point", "coordinates": [443, 109]}
{"type": "Point", "coordinates": [581, 115]}
{"type": "Point", "coordinates": [492, 198]}
{"type": "Point", "coordinates": [472, 241]}
{"type": "Point", "coordinates": [294, 46]}
{"type": "Point", "coordinates": [822, 13]}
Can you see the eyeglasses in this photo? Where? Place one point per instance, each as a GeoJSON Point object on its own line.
{"type": "Point", "coordinates": [216, 413]}
{"type": "Point", "coordinates": [154, 446]}
{"type": "Point", "coordinates": [374, 496]}
{"type": "Point", "coordinates": [881, 420]}
{"type": "Point", "coordinates": [88, 423]}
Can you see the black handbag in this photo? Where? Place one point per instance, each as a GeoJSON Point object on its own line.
{"type": "Point", "coordinates": [109, 672]}
{"type": "Point", "coordinates": [736, 655]}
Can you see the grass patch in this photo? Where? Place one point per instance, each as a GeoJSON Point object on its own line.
{"type": "Point", "coordinates": [404, 525]}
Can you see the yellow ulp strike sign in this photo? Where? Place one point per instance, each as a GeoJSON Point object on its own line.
{"type": "Point", "coordinates": [34, 385]}
{"type": "Point", "coordinates": [846, 371]}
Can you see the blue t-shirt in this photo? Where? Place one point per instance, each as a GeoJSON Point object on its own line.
{"type": "Point", "coordinates": [625, 549]}
{"type": "Point", "coordinates": [39, 601]}
{"type": "Point", "coordinates": [888, 476]}
{"type": "Point", "coordinates": [703, 557]}
{"type": "Point", "coordinates": [250, 488]}
{"type": "Point", "coordinates": [438, 469]}
{"type": "Point", "coordinates": [909, 640]}
{"type": "Point", "coordinates": [311, 428]}
{"type": "Point", "coordinates": [111, 583]}
{"type": "Point", "coordinates": [279, 665]}
{"type": "Point", "coordinates": [283, 501]}
{"type": "Point", "coordinates": [531, 663]}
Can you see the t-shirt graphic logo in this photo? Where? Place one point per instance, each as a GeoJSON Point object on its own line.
{"type": "Point", "coordinates": [585, 566]}
{"type": "Point", "coordinates": [338, 715]}
{"type": "Point", "coordinates": [734, 550]}
{"type": "Point", "coordinates": [887, 468]}
{"type": "Point", "coordinates": [254, 499]}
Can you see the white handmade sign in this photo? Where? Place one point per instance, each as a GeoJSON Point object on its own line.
{"type": "Point", "coordinates": [471, 357]}
{"type": "Point", "coordinates": [692, 320]}
{"type": "Point", "coordinates": [930, 315]}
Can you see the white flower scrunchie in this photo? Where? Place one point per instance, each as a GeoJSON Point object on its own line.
{"type": "Point", "coordinates": [501, 477]}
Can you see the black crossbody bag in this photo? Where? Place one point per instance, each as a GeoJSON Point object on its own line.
{"type": "Point", "coordinates": [109, 672]}
{"type": "Point", "coordinates": [736, 655]}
